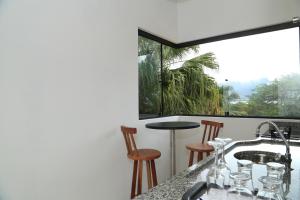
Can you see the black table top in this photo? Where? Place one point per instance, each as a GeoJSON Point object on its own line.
{"type": "Point", "coordinates": [172, 125]}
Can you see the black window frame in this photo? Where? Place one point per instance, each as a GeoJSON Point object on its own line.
{"type": "Point", "coordinates": [265, 29]}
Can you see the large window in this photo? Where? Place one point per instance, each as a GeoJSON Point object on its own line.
{"type": "Point", "coordinates": [251, 76]}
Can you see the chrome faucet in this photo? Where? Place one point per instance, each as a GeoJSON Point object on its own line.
{"type": "Point", "coordinates": [280, 132]}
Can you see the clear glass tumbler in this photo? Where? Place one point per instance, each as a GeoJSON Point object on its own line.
{"type": "Point", "coordinates": [239, 189]}
{"type": "Point", "coordinates": [246, 167]}
{"type": "Point", "coordinates": [271, 189]}
{"type": "Point", "coordinates": [275, 170]}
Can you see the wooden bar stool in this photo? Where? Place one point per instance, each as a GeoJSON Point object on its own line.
{"type": "Point", "coordinates": [211, 129]}
{"type": "Point", "coordinates": [138, 156]}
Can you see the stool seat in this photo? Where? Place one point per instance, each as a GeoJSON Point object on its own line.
{"type": "Point", "coordinates": [144, 154]}
{"type": "Point", "coordinates": [200, 147]}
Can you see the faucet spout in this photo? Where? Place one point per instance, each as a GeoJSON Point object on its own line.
{"type": "Point", "coordinates": [287, 153]}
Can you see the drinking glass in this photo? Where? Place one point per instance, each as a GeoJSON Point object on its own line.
{"type": "Point", "coordinates": [222, 164]}
{"type": "Point", "coordinates": [223, 142]}
{"type": "Point", "coordinates": [271, 189]}
{"type": "Point", "coordinates": [275, 170]}
{"type": "Point", "coordinates": [215, 180]}
{"type": "Point", "coordinates": [239, 189]}
{"type": "Point", "coordinates": [246, 166]}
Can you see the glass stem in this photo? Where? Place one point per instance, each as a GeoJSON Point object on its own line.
{"type": "Point", "coordinates": [216, 163]}
{"type": "Point", "coordinates": [223, 154]}
{"type": "Point", "coordinates": [216, 158]}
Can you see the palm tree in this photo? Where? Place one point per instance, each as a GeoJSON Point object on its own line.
{"type": "Point", "coordinates": [186, 90]}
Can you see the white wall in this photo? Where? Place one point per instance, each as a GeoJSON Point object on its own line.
{"type": "Point", "coordinates": [68, 80]}
{"type": "Point", "coordinates": [206, 18]}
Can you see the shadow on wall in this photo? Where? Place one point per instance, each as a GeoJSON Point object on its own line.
{"type": "Point", "coordinates": [1, 191]}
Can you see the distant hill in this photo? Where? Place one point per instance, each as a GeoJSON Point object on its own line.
{"type": "Point", "coordinates": [244, 89]}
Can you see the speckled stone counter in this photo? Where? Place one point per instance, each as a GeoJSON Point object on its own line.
{"type": "Point", "coordinates": [175, 187]}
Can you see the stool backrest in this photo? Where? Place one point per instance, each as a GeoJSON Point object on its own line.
{"type": "Point", "coordinates": [211, 130]}
{"type": "Point", "coordinates": [129, 139]}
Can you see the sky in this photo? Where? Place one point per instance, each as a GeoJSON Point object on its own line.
{"type": "Point", "coordinates": [251, 58]}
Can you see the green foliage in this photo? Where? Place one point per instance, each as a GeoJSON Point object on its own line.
{"type": "Point", "coordinates": [229, 98]}
{"type": "Point", "coordinates": [148, 47]}
{"type": "Point", "coordinates": [279, 98]}
{"type": "Point", "coordinates": [149, 87]}
{"type": "Point", "coordinates": [171, 55]}
{"type": "Point", "coordinates": [149, 77]}
{"type": "Point", "coordinates": [289, 95]}
{"type": "Point", "coordinates": [205, 60]}
{"type": "Point", "coordinates": [239, 109]}
{"type": "Point", "coordinates": [188, 90]}
{"type": "Point", "coordinates": [264, 100]}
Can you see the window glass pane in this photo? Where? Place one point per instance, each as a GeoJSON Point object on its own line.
{"type": "Point", "coordinates": [262, 73]}
{"type": "Point", "coordinates": [258, 75]}
{"type": "Point", "coordinates": [149, 62]}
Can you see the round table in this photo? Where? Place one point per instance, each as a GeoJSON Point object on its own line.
{"type": "Point", "coordinates": [172, 126]}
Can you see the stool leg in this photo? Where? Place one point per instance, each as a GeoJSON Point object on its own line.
{"type": "Point", "coordinates": [133, 184]}
{"type": "Point", "coordinates": [200, 156]}
{"type": "Point", "coordinates": [191, 158]}
{"type": "Point", "coordinates": [153, 173]}
{"type": "Point", "coordinates": [149, 176]}
{"type": "Point", "coordinates": [139, 190]}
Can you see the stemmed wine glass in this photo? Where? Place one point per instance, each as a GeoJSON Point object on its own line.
{"type": "Point", "coordinates": [223, 141]}
{"type": "Point", "coordinates": [222, 164]}
{"type": "Point", "coordinates": [215, 180]}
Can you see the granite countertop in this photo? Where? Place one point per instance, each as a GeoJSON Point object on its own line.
{"type": "Point", "coordinates": [175, 187]}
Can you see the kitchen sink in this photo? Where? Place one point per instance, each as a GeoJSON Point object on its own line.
{"type": "Point", "coordinates": [260, 157]}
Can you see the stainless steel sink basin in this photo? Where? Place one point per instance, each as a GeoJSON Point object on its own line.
{"type": "Point", "coordinates": [260, 157]}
